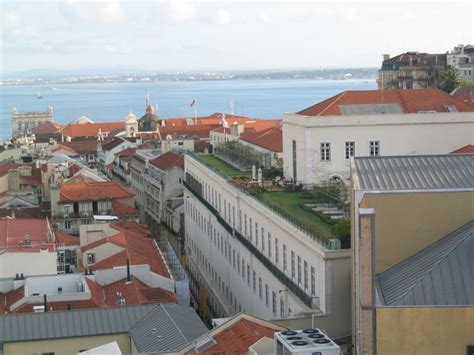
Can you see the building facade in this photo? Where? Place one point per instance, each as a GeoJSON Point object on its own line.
{"type": "Point", "coordinates": [24, 122]}
{"type": "Point", "coordinates": [319, 141]}
{"type": "Point", "coordinates": [242, 256]}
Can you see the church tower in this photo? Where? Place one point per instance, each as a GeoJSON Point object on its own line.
{"type": "Point", "coordinates": [131, 125]}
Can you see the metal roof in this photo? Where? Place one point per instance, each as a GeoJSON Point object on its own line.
{"type": "Point", "coordinates": [167, 328]}
{"type": "Point", "coordinates": [75, 323]}
{"type": "Point", "coordinates": [370, 109]}
{"type": "Point", "coordinates": [416, 172]}
{"type": "Point", "coordinates": [440, 274]}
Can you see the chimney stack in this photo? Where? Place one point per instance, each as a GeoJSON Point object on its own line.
{"type": "Point", "coordinates": [386, 57]}
{"type": "Point", "coordinates": [45, 302]}
{"type": "Point", "coordinates": [129, 277]}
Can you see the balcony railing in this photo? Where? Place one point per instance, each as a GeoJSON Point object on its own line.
{"type": "Point", "coordinates": [295, 222]}
{"type": "Point", "coordinates": [293, 287]}
{"type": "Point", "coordinates": [81, 214]}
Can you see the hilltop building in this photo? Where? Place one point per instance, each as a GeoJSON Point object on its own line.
{"type": "Point", "coordinates": [319, 141]}
{"type": "Point", "coordinates": [413, 252]}
{"type": "Point", "coordinates": [24, 122]}
{"type": "Point", "coordinates": [462, 58]}
{"type": "Point", "coordinates": [411, 70]}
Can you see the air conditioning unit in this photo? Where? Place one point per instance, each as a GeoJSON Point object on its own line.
{"type": "Point", "coordinates": [312, 341]}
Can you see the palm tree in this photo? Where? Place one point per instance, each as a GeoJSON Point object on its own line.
{"type": "Point", "coordinates": [449, 80]}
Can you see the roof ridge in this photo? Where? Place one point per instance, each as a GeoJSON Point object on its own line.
{"type": "Point", "coordinates": [443, 258]}
{"type": "Point", "coordinates": [333, 103]}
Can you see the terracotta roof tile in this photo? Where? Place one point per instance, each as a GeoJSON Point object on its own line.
{"type": "Point", "coordinates": [93, 191]}
{"type": "Point", "coordinates": [468, 149]}
{"type": "Point", "coordinates": [120, 209]}
{"type": "Point", "coordinates": [168, 160]}
{"type": "Point", "coordinates": [66, 239]}
{"type": "Point", "coordinates": [271, 139]}
{"type": "Point", "coordinates": [47, 128]}
{"type": "Point", "coordinates": [13, 231]}
{"type": "Point", "coordinates": [90, 129]}
{"type": "Point", "coordinates": [410, 101]}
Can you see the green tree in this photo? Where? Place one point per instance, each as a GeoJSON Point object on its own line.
{"type": "Point", "coordinates": [449, 80]}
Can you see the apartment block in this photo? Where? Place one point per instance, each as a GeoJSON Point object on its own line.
{"type": "Point", "coordinates": [244, 256]}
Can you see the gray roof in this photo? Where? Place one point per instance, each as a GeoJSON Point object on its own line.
{"type": "Point", "coordinates": [75, 323]}
{"type": "Point", "coordinates": [167, 328]}
{"type": "Point", "coordinates": [440, 274]}
{"type": "Point", "coordinates": [370, 109]}
{"type": "Point", "coordinates": [416, 172]}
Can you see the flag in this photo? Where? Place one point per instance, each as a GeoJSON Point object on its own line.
{"type": "Point", "coordinates": [192, 103]}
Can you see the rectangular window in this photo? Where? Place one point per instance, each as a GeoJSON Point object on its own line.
{"type": "Point", "coordinates": [325, 151]}
{"type": "Point", "coordinates": [256, 233]}
{"type": "Point", "coordinates": [233, 258]}
{"type": "Point", "coordinates": [305, 275]}
{"type": "Point", "coordinates": [292, 265]}
{"type": "Point", "coordinates": [250, 229]}
{"type": "Point", "coordinates": [67, 224]}
{"type": "Point", "coordinates": [293, 148]}
{"type": "Point", "coordinates": [91, 258]}
{"type": "Point", "coordinates": [282, 307]}
{"type": "Point", "coordinates": [238, 263]}
{"type": "Point", "coordinates": [284, 257]}
{"type": "Point", "coordinates": [263, 243]}
{"type": "Point", "coordinates": [274, 303]}
{"type": "Point", "coordinates": [254, 281]}
{"type": "Point", "coordinates": [276, 251]}
{"type": "Point", "coordinates": [260, 287]}
{"type": "Point", "coordinates": [248, 274]}
{"type": "Point", "coordinates": [299, 270]}
{"type": "Point", "coordinates": [266, 295]}
{"type": "Point", "coordinates": [269, 245]}
{"type": "Point", "coordinates": [245, 224]}
{"type": "Point", "coordinates": [243, 268]}
{"type": "Point", "coordinates": [350, 149]}
{"type": "Point", "coordinates": [313, 281]}
{"type": "Point", "coordinates": [374, 148]}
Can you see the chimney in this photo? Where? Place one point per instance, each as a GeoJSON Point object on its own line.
{"type": "Point", "coordinates": [386, 57]}
{"type": "Point", "coordinates": [45, 303]}
{"type": "Point", "coordinates": [129, 277]}
{"type": "Point", "coordinates": [69, 307]}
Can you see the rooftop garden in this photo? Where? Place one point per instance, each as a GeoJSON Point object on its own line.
{"type": "Point", "coordinates": [292, 204]}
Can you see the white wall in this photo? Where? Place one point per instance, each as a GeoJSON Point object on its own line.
{"type": "Point", "coordinates": [399, 134]}
{"type": "Point", "coordinates": [200, 240]}
{"type": "Point", "coordinates": [28, 263]}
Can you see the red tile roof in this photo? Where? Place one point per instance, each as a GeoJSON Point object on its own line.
{"type": "Point", "coordinates": [34, 179]}
{"type": "Point", "coordinates": [23, 212]}
{"type": "Point", "coordinates": [139, 249]}
{"type": "Point", "coordinates": [8, 165]}
{"type": "Point", "coordinates": [168, 160]}
{"type": "Point", "coordinates": [66, 239]}
{"type": "Point", "coordinates": [128, 152]}
{"type": "Point", "coordinates": [410, 101]}
{"type": "Point", "coordinates": [120, 209]}
{"type": "Point", "coordinates": [90, 129]}
{"type": "Point", "coordinates": [465, 94]}
{"type": "Point", "coordinates": [271, 139]}
{"type": "Point", "coordinates": [82, 146]}
{"type": "Point", "coordinates": [13, 231]}
{"type": "Point", "coordinates": [237, 338]}
{"type": "Point", "coordinates": [47, 128]}
{"type": "Point", "coordinates": [93, 191]}
{"type": "Point", "coordinates": [468, 149]}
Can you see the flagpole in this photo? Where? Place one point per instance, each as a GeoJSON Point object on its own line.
{"type": "Point", "coordinates": [195, 112]}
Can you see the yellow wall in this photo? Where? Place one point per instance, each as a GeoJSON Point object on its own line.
{"type": "Point", "coordinates": [67, 346]}
{"type": "Point", "coordinates": [430, 331]}
{"type": "Point", "coordinates": [408, 222]}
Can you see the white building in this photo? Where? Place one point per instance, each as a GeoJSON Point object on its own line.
{"type": "Point", "coordinates": [462, 58]}
{"type": "Point", "coordinates": [243, 256]}
{"type": "Point", "coordinates": [319, 141]}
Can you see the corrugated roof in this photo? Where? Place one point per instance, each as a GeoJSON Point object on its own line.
{"type": "Point", "coordinates": [440, 274]}
{"type": "Point", "coordinates": [76, 323]}
{"type": "Point", "coordinates": [416, 172]}
{"type": "Point", "coordinates": [167, 328]}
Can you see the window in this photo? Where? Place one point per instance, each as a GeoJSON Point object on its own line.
{"type": "Point", "coordinates": [238, 263]}
{"type": "Point", "coordinates": [254, 281]}
{"type": "Point", "coordinates": [374, 147]}
{"type": "Point", "coordinates": [233, 258]}
{"type": "Point", "coordinates": [269, 245]}
{"type": "Point", "coordinates": [299, 270]}
{"type": "Point", "coordinates": [284, 257]}
{"type": "Point", "coordinates": [305, 278]}
{"type": "Point", "coordinates": [274, 303]}
{"type": "Point", "coordinates": [256, 233]}
{"type": "Point", "coordinates": [260, 287]}
{"type": "Point", "coordinates": [245, 224]}
{"type": "Point", "coordinates": [325, 151]}
{"type": "Point", "coordinates": [250, 229]}
{"type": "Point", "coordinates": [90, 258]}
{"type": "Point", "coordinates": [350, 149]}
{"type": "Point", "coordinates": [276, 250]}
{"type": "Point", "coordinates": [67, 209]}
{"type": "Point", "coordinates": [248, 274]}
{"type": "Point", "coordinates": [282, 307]}
{"type": "Point", "coordinates": [313, 281]}
{"type": "Point", "coordinates": [67, 224]}
{"type": "Point", "coordinates": [266, 295]}
{"type": "Point", "coordinates": [292, 265]}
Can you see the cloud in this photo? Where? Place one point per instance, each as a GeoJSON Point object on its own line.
{"type": "Point", "coordinates": [181, 10]}
{"type": "Point", "coordinates": [264, 17]}
{"type": "Point", "coordinates": [26, 32]}
{"type": "Point", "coordinates": [222, 17]}
{"type": "Point", "coordinates": [94, 13]}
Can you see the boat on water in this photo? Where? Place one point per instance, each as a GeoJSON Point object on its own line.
{"type": "Point", "coordinates": [39, 96]}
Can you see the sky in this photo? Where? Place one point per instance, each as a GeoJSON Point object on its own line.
{"type": "Point", "coordinates": [187, 35]}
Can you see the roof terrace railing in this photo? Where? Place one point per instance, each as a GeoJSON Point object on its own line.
{"type": "Point", "coordinates": [311, 232]}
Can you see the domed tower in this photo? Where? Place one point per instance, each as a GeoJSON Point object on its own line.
{"type": "Point", "coordinates": [131, 125]}
{"type": "Point", "coordinates": [150, 121]}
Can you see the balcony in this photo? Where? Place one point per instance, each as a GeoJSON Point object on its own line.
{"type": "Point", "coordinates": [80, 215]}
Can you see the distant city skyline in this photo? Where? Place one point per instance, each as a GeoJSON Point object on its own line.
{"type": "Point", "coordinates": [192, 35]}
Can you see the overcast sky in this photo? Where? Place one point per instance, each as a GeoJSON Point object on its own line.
{"type": "Point", "coordinates": [192, 35]}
